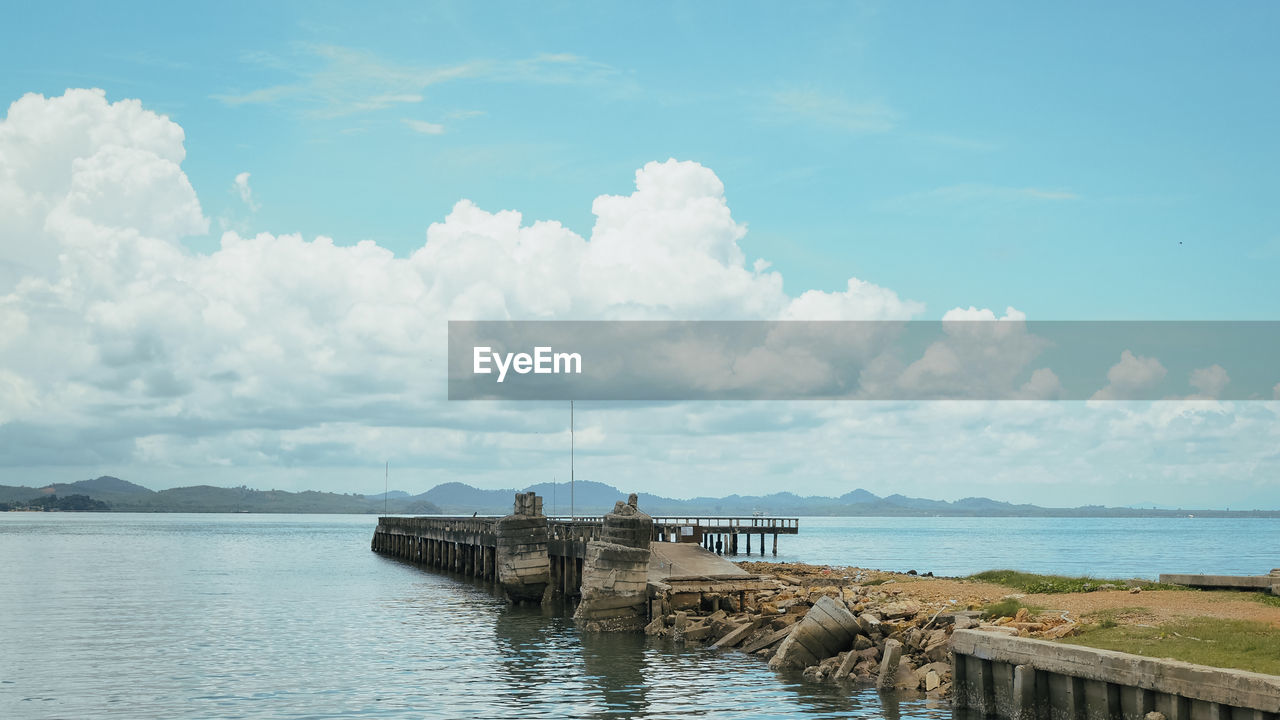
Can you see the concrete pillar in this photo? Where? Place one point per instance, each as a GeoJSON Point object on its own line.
{"type": "Point", "coordinates": [615, 574]}
{"type": "Point", "coordinates": [1100, 703]}
{"type": "Point", "coordinates": [524, 567]}
{"type": "Point", "coordinates": [1024, 693]}
{"type": "Point", "coordinates": [889, 664]}
{"type": "Point", "coordinates": [775, 544]}
{"type": "Point", "coordinates": [748, 543]}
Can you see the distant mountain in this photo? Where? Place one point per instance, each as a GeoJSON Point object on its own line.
{"type": "Point", "coordinates": [392, 495]}
{"type": "Point", "coordinates": [108, 484]}
{"type": "Point", "coordinates": [593, 498]}
{"type": "Point", "coordinates": [589, 498]}
{"type": "Point", "coordinates": [122, 496]}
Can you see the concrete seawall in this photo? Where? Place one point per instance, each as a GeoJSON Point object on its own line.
{"type": "Point", "coordinates": [1256, 583]}
{"type": "Point", "coordinates": [1026, 679]}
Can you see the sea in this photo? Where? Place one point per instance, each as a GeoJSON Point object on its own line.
{"type": "Point", "coordinates": [118, 615]}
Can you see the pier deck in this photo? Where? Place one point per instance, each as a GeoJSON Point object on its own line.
{"type": "Point", "coordinates": [468, 545]}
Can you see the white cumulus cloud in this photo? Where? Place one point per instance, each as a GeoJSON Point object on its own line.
{"type": "Point", "coordinates": [242, 189]}
{"type": "Point", "coordinates": [1131, 378]}
{"type": "Point", "coordinates": [1210, 381]}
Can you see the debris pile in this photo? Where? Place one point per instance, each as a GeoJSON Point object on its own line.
{"type": "Point", "coordinates": [837, 630]}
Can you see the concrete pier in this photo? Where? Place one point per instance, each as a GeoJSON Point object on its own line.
{"type": "Point", "coordinates": [470, 545]}
{"type": "Point", "coordinates": [1025, 679]}
{"type": "Point", "coordinates": [615, 576]}
{"type": "Point", "coordinates": [626, 568]}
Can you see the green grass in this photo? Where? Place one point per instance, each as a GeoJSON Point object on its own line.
{"type": "Point", "coordinates": [1265, 599]}
{"type": "Point", "coordinates": [877, 581]}
{"type": "Point", "coordinates": [1235, 644]}
{"type": "Point", "coordinates": [1051, 584]}
{"type": "Point", "coordinates": [1008, 607]}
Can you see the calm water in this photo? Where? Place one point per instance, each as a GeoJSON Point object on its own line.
{"type": "Point", "coordinates": [261, 616]}
{"type": "Point", "coordinates": [1103, 547]}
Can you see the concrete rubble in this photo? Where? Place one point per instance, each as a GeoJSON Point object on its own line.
{"type": "Point", "coordinates": [839, 632]}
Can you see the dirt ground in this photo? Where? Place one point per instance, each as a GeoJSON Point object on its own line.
{"type": "Point", "coordinates": [1147, 607]}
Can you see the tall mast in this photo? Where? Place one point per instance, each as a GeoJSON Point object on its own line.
{"type": "Point", "coordinates": [572, 514]}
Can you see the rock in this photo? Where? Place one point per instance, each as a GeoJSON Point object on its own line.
{"type": "Point", "coordinates": [932, 681]}
{"type": "Point", "coordinates": [697, 632]}
{"type": "Point", "coordinates": [938, 649]}
{"type": "Point", "coordinates": [1135, 591]}
{"type": "Point", "coordinates": [1023, 615]}
{"type": "Point", "coordinates": [657, 627]}
{"type": "Point", "coordinates": [913, 638]}
{"type": "Point", "coordinates": [905, 678]}
{"type": "Point", "coordinates": [964, 623]}
{"type": "Point", "coordinates": [1153, 715]}
{"type": "Point", "coordinates": [1061, 631]}
{"type": "Point", "coordinates": [768, 608]}
{"type": "Point", "coordinates": [738, 634]}
{"type": "Point", "coordinates": [847, 661]}
{"type": "Point", "coordinates": [862, 642]}
{"type": "Point", "coordinates": [948, 618]}
{"type": "Point", "coordinates": [900, 609]}
{"type": "Point", "coordinates": [814, 673]}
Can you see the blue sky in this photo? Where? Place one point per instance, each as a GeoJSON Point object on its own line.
{"type": "Point", "coordinates": [1047, 157]}
{"type": "Point", "coordinates": [171, 311]}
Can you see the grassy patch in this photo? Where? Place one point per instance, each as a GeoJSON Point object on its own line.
{"type": "Point", "coordinates": [1265, 599]}
{"type": "Point", "coordinates": [1052, 584]}
{"type": "Point", "coordinates": [1008, 607]}
{"type": "Point", "coordinates": [1206, 641]}
{"type": "Point", "coordinates": [877, 581]}
{"type": "Point", "coordinates": [1112, 617]}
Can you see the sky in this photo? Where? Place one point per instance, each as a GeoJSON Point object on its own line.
{"type": "Point", "coordinates": [231, 234]}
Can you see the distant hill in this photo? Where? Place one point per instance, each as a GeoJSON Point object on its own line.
{"type": "Point", "coordinates": [593, 498]}
{"type": "Point", "coordinates": [123, 496]}
{"type": "Point", "coordinates": [109, 484]}
{"type": "Point", "coordinates": [589, 498]}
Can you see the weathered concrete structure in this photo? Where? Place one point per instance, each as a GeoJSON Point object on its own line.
{"type": "Point", "coordinates": [462, 545]}
{"type": "Point", "coordinates": [827, 630]}
{"type": "Point", "coordinates": [683, 569]}
{"type": "Point", "coordinates": [615, 576]}
{"type": "Point", "coordinates": [1026, 679]}
{"type": "Point", "coordinates": [524, 567]}
{"type": "Point", "coordinates": [1257, 583]}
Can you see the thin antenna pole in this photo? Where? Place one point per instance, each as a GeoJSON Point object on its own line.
{"type": "Point", "coordinates": [554, 511]}
{"type": "Point", "coordinates": [572, 515]}
{"type": "Point", "coordinates": [386, 485]}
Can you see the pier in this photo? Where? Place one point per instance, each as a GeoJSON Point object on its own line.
{"type": "Point", "coordinates": [469, 545]}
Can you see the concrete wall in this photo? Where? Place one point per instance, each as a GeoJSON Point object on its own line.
{"type": "Point", "coordinates": [1025, 679]}
{"type": "Point", "coordinates": [1259, 583]}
